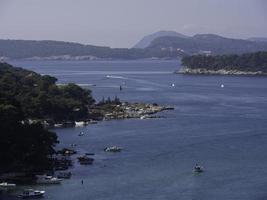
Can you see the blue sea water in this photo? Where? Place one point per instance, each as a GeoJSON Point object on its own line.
{"type": "Point", "coordinates": [223, 129]}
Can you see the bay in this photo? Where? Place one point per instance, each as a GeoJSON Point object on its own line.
{"type": "Point", "coordinates": [223, 129]}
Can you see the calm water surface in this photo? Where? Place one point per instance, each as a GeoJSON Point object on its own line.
{"type": "Point", "coordinates": [223, 129]}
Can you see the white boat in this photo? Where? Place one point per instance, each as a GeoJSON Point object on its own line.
{"type": "Point", "coordinates": [143, 117]}
{"type": "Point", "coordinates": [7, 185]}
{"type": "Point", "coordinates": [30, 193]}
{"type": "Point", "coordinates": [81, 123]}
{"type": "Point", "coordinates": [113, 149]}
{"type": "Point", "coordinates": [44, 179]}
{"type": "Point", "coordinates": [81, 133]}
{"type": "Point", "coordinates": [58, 125]}
{"type": "Point", "coordinates": [198, 169]}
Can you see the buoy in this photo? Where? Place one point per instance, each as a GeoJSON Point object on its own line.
{"type": "Point", "coordinates": [222, 85]}
{"type": "Point", "coordinates": [173, 85]}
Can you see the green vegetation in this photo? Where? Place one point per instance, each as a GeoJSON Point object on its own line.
{"type": "Point", "coordinates": [23, 146]}
{"type": "Point", "coordinates": [39, 97]}
{"type": "Point", "coordinates": [27, 95]}
{"type": "Point", "coordinates": [253, 62]}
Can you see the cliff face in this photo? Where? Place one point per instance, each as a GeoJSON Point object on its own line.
{"type": "Point", "coordinates": [187, 70]}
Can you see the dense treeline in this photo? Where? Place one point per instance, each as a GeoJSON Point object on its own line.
{"type": "Point", "coordinates": [23, 146]}
{"type": "Point", "coordinates": [27, 95]}
{"type": "Point", "coordinates": [39, 97]}
{"type": "Point", "coordinates": [252, 62]}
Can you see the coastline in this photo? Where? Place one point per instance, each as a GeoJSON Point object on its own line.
{"type": "Point", "coordinates": [111, 111]}
{"type": "Point", "coordinates": [126, 110]}
{"type": "Point", "coordinates": [204, 71]}
{"type": "Point", "coordinates": [61, 159]}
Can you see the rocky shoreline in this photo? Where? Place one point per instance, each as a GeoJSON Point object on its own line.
{"type": "Point", "coordinates": [203, 71]}
{"type": "Point", "coordinates": [110, 111]}
{"type": "Point", "coordinates": [127, 110]}
{"type": "Point", "coordinates": [105, 110]}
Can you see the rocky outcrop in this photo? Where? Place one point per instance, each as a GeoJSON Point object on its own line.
{"type": "Point", "coordinates": [128, 110]}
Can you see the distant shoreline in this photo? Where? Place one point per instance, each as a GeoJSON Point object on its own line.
{"type": "Point", "coordinates": [205, 71]}
{"type": "Point", "coordinates": [43, 59]}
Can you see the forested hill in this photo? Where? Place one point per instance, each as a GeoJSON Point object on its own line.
{"type": "Point", "coordinates": [208, 44]}
{"type": "Point", "coordinates": [25, 49]}
{"type": "Point", "coordinates": [253, 63]}
{"type": "Point", "coordinates": [146, 41]}
{"type": "Point", "coordinates": [25, 98]}
{"type": "Point", "coordinates": [39, 97]}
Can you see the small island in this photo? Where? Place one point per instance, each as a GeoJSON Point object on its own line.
{"type": "Point", "coordinates": [245, 64]}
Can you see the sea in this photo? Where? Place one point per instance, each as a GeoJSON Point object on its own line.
{"type": "Point", "coordinates": [223, 129]}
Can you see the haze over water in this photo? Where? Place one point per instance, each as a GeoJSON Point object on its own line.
{"type": "Point", "coordinates": [223, 129]}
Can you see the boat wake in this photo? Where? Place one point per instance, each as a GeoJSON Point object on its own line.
{"type": "Point", "coordinates": [116, 77]}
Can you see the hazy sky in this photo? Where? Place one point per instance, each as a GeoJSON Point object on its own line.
{"type": "Point", "coordinates": [121, 23]}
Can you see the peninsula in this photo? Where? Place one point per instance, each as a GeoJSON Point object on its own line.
{"type": "Point", "coordinates": [30, 101]}
{"type": "Point", "coordinates": [246, 64]}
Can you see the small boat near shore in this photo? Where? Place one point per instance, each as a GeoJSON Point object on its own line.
{"type": "Point", "coordinates": [113, 149]}
{"type": "Point", "coordinates": [90, 154]}
{"type": "Point", "coordinates": [67, 151]}
{"type": "Point", "coordinates": [85, 160]}
{"type": "Point", "coordinates": [92, 122]}
{"type": "Point", "coordinates": [143, 117]}
{"type": "Point", "coordinates": [58, 125]}
{"type": "Point", "coordinates": [64, 175]}
{"type": "Point", "coordinates": [30, 193]}
{"type": "Point", "coordinates": [44, 179]}
{"type": "Point", "coordinates": [80, 123]}
{"type": "Point", "coordinates": [7, 185]}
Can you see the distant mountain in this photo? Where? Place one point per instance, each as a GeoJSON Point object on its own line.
{"type": "Point", "coordinates": [57, 50]}
{"type": "Point", "coordinates": [18, 49]}
{"type": "Point", "coordinates": [165, 47]}
{"type": "Point", "coordinates": [145, 42]}
{"type": "Point", "coordinates": [258, 39]}
{"type": "Point", "coordinates": [207, 44]}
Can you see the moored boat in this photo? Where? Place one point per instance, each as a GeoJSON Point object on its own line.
{"type": "Point", "coordinates": [44, 179]}
{"type": "Point", "coordinates": [7, 185]}
{"type": "Point", "coordinates": [80, 123]}
{"type": "Point", "coordinates": [198, 169]}
{"type": "Point", "coordinates": [81, 133]}
{"type": "Point", "coordinates": [85, 160]}
{"type": "Point", "coordinates": [30, 193]}
{"type": "Point", "coordinates": [58, 125]}
{"type": "Point", "coordinates": [113, 149]}
{"type": "Point", "coordinates": [65, 175]}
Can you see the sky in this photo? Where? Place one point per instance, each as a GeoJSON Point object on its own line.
{"type": "Point", "coordinates": [122, 23]}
